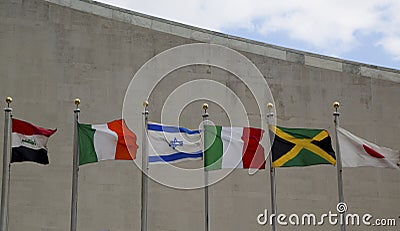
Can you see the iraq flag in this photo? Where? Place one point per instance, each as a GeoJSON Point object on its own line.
{"type": "Point", "coordinates": [29, 142]}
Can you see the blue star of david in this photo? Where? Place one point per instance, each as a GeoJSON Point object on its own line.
{"type": "Point", "coordinates": [174, 143]}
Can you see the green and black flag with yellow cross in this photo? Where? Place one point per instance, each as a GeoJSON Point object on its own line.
{"type": "Point", "coordinates": [301, 147]}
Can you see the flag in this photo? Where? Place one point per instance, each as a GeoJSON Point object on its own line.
{"type": "Point", "coordinates": [29, 142]}
{"type": "Point", "coordinates": [110, 141]}
{"type": "Point", "coordinates": [357, 152]}
{"type": "Point", "coordinates": [301, 147]}
{"type": "Point", "coordinates": [173, 144]}
{"type": "Point", "coordinates": [233, 147]}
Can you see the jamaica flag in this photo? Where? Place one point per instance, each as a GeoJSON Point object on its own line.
{"type": "Point", "coordinates": [301, 147]}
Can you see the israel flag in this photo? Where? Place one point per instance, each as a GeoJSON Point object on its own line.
{"type": "Point", "coordinates": [173, 144]}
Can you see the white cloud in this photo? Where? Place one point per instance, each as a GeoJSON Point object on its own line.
{"type": "Point", "coordinates": [391, 45]}
{"type": "Point", "coordinates": [390, 28]}
{"type": "Point", "coordinates": [332, 26]}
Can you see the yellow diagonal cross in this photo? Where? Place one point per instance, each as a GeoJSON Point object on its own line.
{"type": "Point", "coordinates": [299, 145]}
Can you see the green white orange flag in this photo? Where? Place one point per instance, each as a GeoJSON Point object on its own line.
{"type": "Point", "coordinates": [233, 147]}
{"type": "Point", "coordinates": [110, 141]}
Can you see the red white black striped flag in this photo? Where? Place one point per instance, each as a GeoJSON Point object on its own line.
{"type": "Point", "coordinates": [29, 142]}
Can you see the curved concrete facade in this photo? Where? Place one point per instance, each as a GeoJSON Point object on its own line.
{"type": "Point", "coordinates": [53, 51]}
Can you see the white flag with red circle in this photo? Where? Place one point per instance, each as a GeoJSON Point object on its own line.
{"type": "Point", "coordinates": [357, 152]}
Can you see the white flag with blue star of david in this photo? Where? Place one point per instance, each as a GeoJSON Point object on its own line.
{"type": "Point", "coordinates": [173, 144]}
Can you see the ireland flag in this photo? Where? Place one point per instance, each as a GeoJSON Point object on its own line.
{"type": "Point", "coordinates": [110, 141]}
{"type": "Point", "coordinates": [173, 144]}
{"type": "Point", "coordinates": [233, 147]}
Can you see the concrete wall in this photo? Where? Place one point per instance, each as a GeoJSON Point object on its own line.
{"type": "Point", "coordinates": [50, 53]}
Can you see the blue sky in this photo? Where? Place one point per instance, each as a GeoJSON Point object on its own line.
{"type": "Point", "coordinates": [366, 31]}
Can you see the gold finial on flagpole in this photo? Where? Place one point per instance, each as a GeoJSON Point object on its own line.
{"type": "Point", "coordinates": [205, 106]}
{"type": "Point", "coordinates": [8, 101]}
{"type": "Point", "coordinates": [270, 113]}
{"type": "Point", "coordinates": [77, 101]}
{"type": "Point", "coordinates": [336, 105]}
{"type": "Point", "coordinates": [146, 112]}
{"type": "Point", "coordinates": [145, 103]}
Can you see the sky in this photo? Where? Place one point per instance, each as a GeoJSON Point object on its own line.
{"type": "Point", "coordinates": [366, 31]}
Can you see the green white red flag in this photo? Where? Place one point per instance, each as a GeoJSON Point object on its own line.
{"type": "Point", "coordinates": [233, 147]}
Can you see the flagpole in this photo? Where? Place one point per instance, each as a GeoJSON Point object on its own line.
{"type": "Point", "coordinates": [206, 200]}
{"type": "Point", "coordinates": [339, 163]}
{"type": "Point", "coordinates": [6, 164]}
{"type": "Point", "coordinates": [75, 168]}
{"type": "Point", "coordinates": [145, 168]}
{"type": "Point", "coordinates": [270, 115]}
